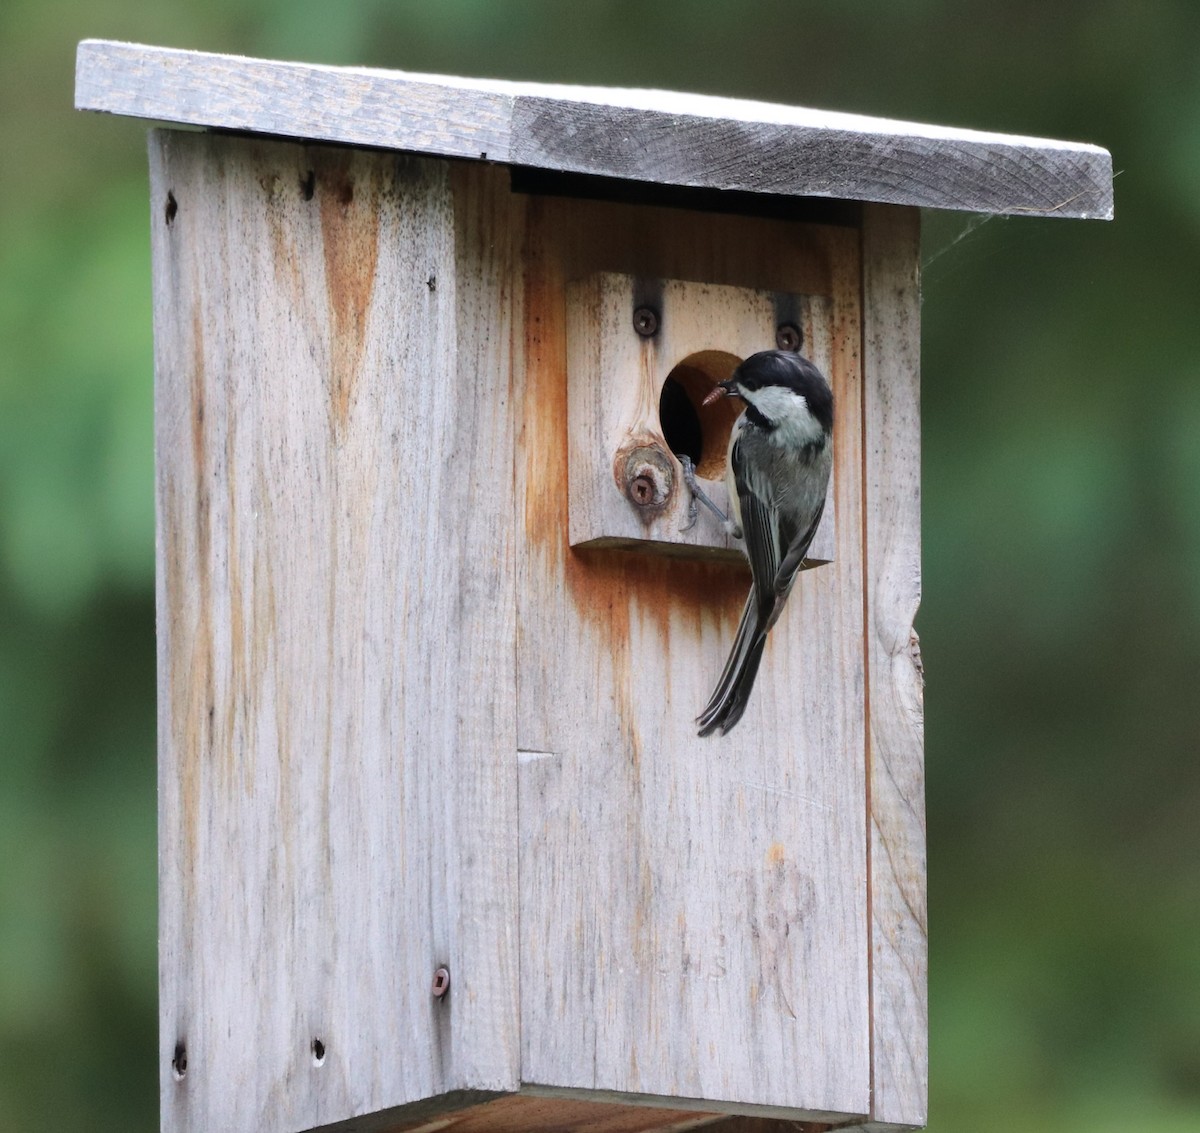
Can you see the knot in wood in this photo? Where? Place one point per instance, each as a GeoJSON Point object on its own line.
{"type": "Point", "coordinates": [647, 478]}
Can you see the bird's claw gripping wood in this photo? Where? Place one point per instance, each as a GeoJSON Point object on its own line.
{"type": "Point", "coordinates": [697, 494]}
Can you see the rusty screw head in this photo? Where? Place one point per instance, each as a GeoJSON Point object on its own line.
{"type": "Point", "coordinates": [441, 982]}
{"type": "Point", "coordinates": [788, 337]}
{"type": "Point", "coordinates": [645, 321]}
{"type": "Point", "coordinates": [642, 490]}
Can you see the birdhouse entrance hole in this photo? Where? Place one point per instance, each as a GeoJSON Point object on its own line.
{"type": "Point", "coordinates": [691, 428]}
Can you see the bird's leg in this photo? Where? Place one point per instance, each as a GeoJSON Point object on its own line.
{"type": "Point", "coordinates": [697, 493]}
{"type": "Point", "coordinates": [689, 478]}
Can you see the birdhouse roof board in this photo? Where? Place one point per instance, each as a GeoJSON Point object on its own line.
{"type": "Point", "coordinates": [660, 137]}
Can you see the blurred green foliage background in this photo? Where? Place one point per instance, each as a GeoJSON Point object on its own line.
{"type": "Point", "coordinates": [1061, 623]}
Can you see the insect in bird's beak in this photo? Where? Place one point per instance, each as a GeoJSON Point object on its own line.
{"type": "Point", "coordinates": [721, 389]}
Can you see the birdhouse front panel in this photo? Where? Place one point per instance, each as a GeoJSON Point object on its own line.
{"type": "Point", "coordinates": [693, 911]}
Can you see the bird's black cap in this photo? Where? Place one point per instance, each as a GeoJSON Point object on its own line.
{"type": "Point", "coordinates": [786, 368]}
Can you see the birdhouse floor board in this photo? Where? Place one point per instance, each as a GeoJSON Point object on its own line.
{"type": "Point", "coordinates": [521, 1113]}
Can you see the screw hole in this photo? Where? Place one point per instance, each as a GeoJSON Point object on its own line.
{"type": "Point", "coordinates": [179, 1061]}
{"type": "Point", "coordinates": [308, 185]}
{"type": "Point", "coordinates": [172, 208]}
{"type": "Point", "coordinates": [318, 1052]}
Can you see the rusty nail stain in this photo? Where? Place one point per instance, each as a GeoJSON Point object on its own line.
{"type": "Point", "coordinates": [441, 982]}
{"type": "Point", "coordinates": [645, 321]}
{"type": "Point", "coordinates": [788, 336]}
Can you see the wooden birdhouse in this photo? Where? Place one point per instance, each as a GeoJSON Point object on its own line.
{"type": "Point", "coordinates": [440, 847]}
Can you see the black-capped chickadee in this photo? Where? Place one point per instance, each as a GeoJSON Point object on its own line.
{"type": "Point", "coordinates": [780, 455]}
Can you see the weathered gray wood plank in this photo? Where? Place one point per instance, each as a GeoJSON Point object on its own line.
{"type": "Point", "coordinates": [693, 921]}
{"type": "Point", "coordinates": [896, 780]}
{"type": "Point", "coordinates": [654, 136]}
{"type": "Point", "coordinates": [337, 787]}
{"type": "Point", "coordinates": [297, 100]}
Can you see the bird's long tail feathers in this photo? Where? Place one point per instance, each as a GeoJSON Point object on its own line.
{"type": "Point", "coordinates": [728, 701]}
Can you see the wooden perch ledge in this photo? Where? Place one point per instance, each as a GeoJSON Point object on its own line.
{"type": "Point", "coordinates": [663, 137]}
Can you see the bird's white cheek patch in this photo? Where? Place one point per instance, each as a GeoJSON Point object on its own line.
{"type": "Point", "coordinates": [788, 410]}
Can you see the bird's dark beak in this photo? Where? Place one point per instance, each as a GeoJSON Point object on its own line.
{"type": "Point", "coordinates": [721, 389]}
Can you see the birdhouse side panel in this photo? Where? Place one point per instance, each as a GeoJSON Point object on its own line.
{"type": "Point", "coordinates": [693, 912]}
{"type": "Point", "coordinates": [899, 930]}
{"type": "Point", "coordinates": [335, 613]}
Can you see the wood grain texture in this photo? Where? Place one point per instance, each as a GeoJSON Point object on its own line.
{"type": "Point", "coordinates": [520, 1113]}
{"type": "Point", "coordinates": [314, 103]}
{"type": "Point", "coordinates": [693, 920]}
{"type": "Point", "coordinates": [768, 1125]}
{"type": "Point", "coordinates": [335, 614]}
{"type": "Point", "coordinates": [892, 482]}
{"type": "Point", "coordinates": [653, 136]}
{"type": "Point", "coordinates": [615, 379]}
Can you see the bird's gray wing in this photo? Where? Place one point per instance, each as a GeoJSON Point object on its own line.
{"type": "Point", "coordinates": [760, 524]}
{"type": "Point", "coordinates": [793, 559]}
